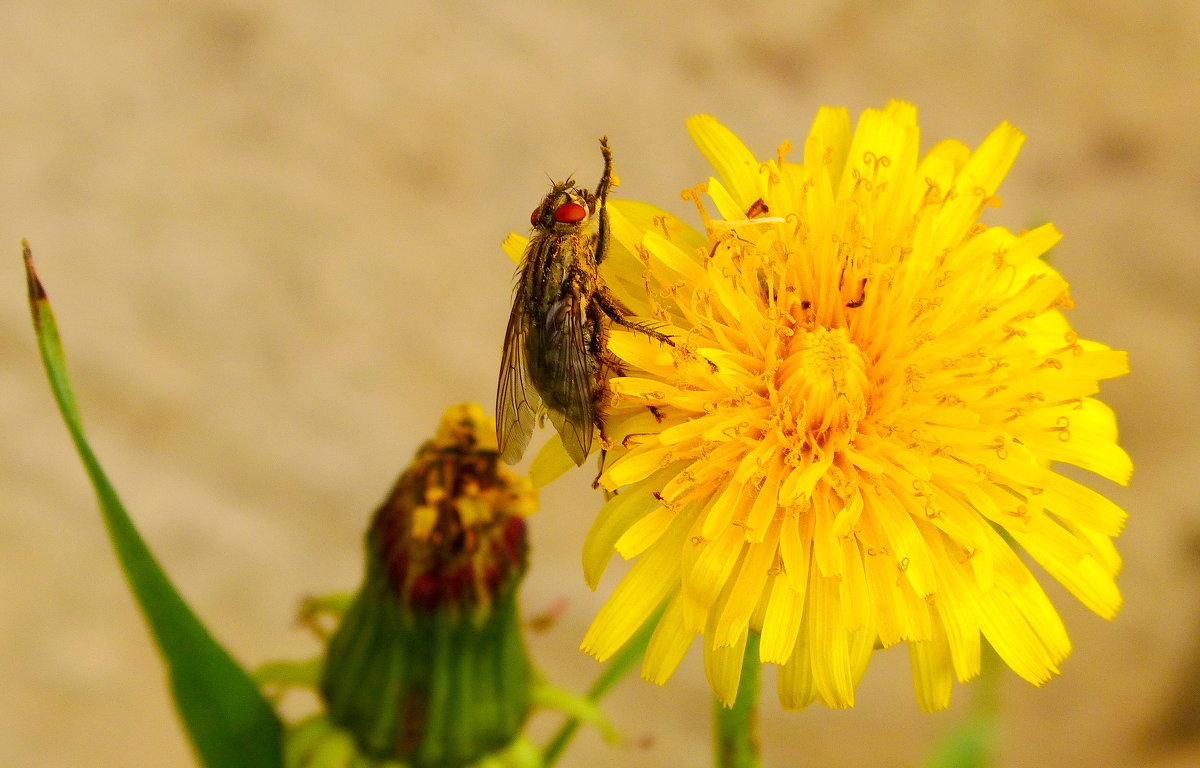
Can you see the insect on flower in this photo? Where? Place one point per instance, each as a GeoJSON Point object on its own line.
{"type": "Point", "coordinates": [555, 360]}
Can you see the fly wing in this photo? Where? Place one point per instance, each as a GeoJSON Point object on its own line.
{"type": "Point", "coordinates": [570, 393]}
{"type": "Point", "coordinates": [516, 399]}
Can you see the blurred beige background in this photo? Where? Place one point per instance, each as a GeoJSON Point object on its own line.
{"type": "Point", "coordinates": [271, 234]}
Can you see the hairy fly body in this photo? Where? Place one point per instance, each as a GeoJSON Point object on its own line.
{"type": "Point", "coordinates": [555, 358]}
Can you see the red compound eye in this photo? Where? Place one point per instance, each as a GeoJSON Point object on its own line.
{"type": "Point", "coordinates": [533, 217]}
{"type": "Point", "coordinates": [569, 213]}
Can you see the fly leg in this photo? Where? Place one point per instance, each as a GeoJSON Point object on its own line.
{"type": "Point", "coordinates": [609, 365]}
{"type": "Point", "coordinates": [600, 202]}
{"type": "Point", "coordinates": [599, 355]}
{"type": "Point", "coordinates": [614, 311]}
{"type": "Point", "coordinates": [614, 364]}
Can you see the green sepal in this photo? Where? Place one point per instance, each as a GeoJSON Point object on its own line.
{"type": "Point", "coordinates": [282, 675]}
{"type": "Point", "coordinates": [434, 688]}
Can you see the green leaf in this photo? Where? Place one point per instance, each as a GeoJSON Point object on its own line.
{"type": "Point", "coordinates": [229, 722]}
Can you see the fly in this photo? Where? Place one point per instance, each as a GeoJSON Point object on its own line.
{"type": "Point", "coordinates": [555, 358]}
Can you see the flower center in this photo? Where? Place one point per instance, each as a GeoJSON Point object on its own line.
{"type": "Point", "coordinates": [822, 382]}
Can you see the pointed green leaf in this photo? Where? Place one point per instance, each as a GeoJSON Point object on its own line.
{"type": "Point", "coordinates": [229, 722]}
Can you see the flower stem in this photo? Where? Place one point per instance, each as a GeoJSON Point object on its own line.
{"type": "Point", "coordinates": [973, 742]}
{"type": "Point", "coordinates": [620, 665]}
{"type": "Point", "coordinates": [735, 729]}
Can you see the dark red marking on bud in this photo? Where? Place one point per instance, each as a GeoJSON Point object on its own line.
{"type": "Point", "coordinates": [514, 540]}
{"type": "Point", "coordinates": [457, 583]}
{"type": "Point", "coordinates": [569, 213]}
{"type": "Point", "coordinates": [425, 591]}
{"type": "Point", "coordinates": [493, 579]}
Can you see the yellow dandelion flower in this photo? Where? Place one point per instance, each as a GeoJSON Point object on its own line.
{"type": "Point", "coordinates": [855, 430]}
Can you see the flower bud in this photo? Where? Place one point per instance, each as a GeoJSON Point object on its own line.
{"type": "Point", "coordinates": [428, 666]}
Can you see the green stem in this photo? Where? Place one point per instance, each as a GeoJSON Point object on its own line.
{"type": "Point", "coordinates": [988, 691]}
{"type": "Point", "coordinates": [973, 742]}
{"type": "Point", "coordinates": [620, 665]}
{"type": "Point", "coordinates": [735, 729]}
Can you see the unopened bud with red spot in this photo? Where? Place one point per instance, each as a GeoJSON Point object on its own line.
{"type": "Point", "coordinates": [428, 667]}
